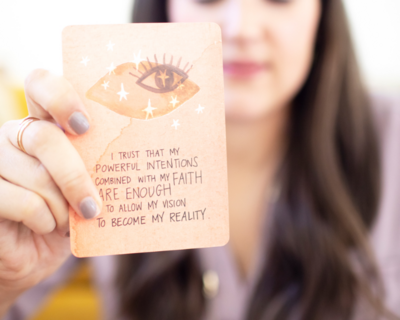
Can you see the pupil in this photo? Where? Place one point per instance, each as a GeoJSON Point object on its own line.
{"type": "Point", "coordinates": [164, 78]}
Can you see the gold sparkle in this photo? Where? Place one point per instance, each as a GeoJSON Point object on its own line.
{"type": "Point", "coordinates": [163, 76]}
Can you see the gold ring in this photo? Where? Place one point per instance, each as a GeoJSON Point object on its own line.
{"type": "Point", "coordinates": [22, 126]}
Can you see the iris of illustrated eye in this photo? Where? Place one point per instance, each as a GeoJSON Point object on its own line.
{"type": "Point", "coordinates": [161, 78]}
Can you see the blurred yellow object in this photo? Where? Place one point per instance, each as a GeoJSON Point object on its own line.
{"type": "Point", "coordinates": [77, 300]}
{"type": "Point", "coordinates": [22, 109]}
{"type": "Point", "coordinates": [12, 102]}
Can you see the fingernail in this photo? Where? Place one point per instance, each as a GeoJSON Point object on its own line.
{"type": "Point", "coordinates": [88, 208]}
{"type": "Point", "coordinates": [78, 122]}
{"type": "Point", "coordinates": [67, 235]}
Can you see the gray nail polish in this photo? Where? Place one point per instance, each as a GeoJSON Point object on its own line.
{"type": "Point", "coordinates": [78, 122]}
{"type": "Point", "coordinates": [88, 208]}
{"type": "Point", "coordinates": [67, 235]}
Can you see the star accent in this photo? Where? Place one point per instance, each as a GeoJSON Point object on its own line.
{"type": "Point", "coordinates": [163, 76]}
{"type": "Point", "coordinates": [200, 109]}
{"type": "Point", "coordinates": [122, 93]}
{"type": "Point", "coordinates": [111, 68]}
{"type": "Point", "coordinates": [175, 124]}
{"type": "Point", "coordinates": [85, 60]}
{"type": "Point", "coordinates": [110, 46]}
{"type": "Point", "coordinates": [174, 101]}
{"type": "Point", "coordinates": [137, 60]}
{"type": "Point", "coordinates": [149, 110]}
{"type": "Point", "coordinates": [180, 86]}
{"type": "Point", "coordinates": [105, 84]}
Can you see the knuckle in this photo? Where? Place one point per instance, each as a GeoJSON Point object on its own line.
{"type": "Point", "coordinates": [6, 127]}
{"type": "Point", "coordinates": [4, 151]}
{"type": "Point", "coordinates": [37, 214]}
{"type": "Point", "coordinates": [17, 267]}
{"type": "Point", "coordinates": [42, 177]}
{"type": "Point", "coordinates": [43, 136]}
{"type": "Point", "coordinates": [34, 206]}
{"type": "Point", "coordinates": [73, 181]}
{"type": "Point", "coordinates": [53, 93]}
{"type": "Point", "coordinates": [34, 76]}
{"type": "Point", "coordinates": [58, 99]}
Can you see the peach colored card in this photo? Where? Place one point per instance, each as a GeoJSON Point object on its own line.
{"type": "Point", "coordinates": [156, 149]}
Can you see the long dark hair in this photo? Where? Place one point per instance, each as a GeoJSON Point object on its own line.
{"type": "Point", "coordinates": [318, 264]}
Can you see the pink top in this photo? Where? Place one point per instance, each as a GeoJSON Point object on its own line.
{"type": "Point", "coordinates": [231, 301]}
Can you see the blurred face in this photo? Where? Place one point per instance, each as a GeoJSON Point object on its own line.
{"type": "Point", "coordinates": [267, 47]}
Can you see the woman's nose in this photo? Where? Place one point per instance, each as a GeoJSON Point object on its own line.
{"type": "Point", "coordinates": [242, 20]}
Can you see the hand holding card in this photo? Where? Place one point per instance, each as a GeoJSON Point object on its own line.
{"type": "Point", "coordinates": [156, 149]}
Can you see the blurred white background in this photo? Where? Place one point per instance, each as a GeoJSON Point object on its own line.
{"type": "Point", "coordinates": [30, 30]}
{"type": "Point", "coordinates": [30, 33]}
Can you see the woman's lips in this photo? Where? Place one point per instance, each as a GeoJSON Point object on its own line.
{"type": "Point", "coordinates": [244, 69]}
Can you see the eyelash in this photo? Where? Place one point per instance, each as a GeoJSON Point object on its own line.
{"type": "Point", "coordinates": [166, 67]}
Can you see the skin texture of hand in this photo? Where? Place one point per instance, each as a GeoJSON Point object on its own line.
{"type": "Point", "coordinates": [37, 187]}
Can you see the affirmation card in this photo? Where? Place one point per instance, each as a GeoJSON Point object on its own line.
{"type": "Point", "coordinates": [156, 149]}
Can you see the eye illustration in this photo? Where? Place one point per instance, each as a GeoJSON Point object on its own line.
{"type": "Point", "coordinates": [144, 89]}
{"type": "Point", "coordinates": [162, 78]}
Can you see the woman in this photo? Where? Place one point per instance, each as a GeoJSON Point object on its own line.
{"type": "Point", "coordinates": [304, 180]}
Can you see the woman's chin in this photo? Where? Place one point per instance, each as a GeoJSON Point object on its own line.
{"type": "Point", "coordinates": [248, 108]}
{"type": "Point", "coordinates": [249, 113]}
{"type": "Point", "coordinates": [244, 116]}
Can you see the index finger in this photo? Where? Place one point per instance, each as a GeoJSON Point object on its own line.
{"type": "Point", "coordinates": [46, 142]}
{"type": "Point", "coordinates": [52, 97]}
